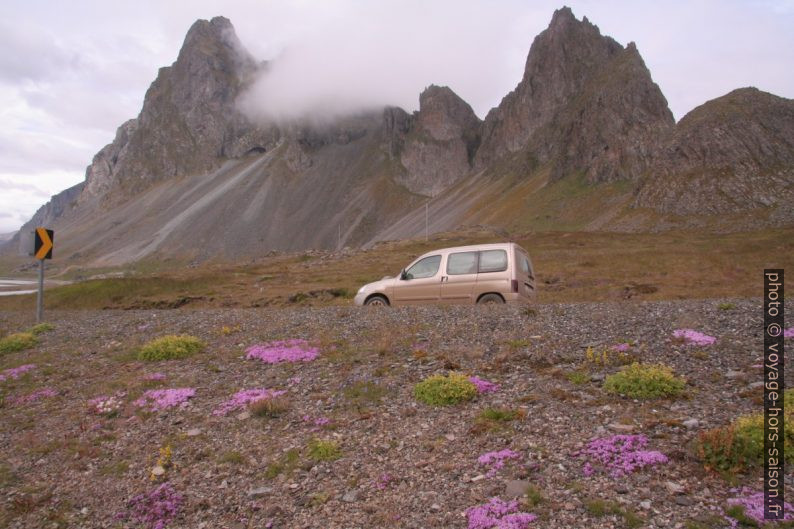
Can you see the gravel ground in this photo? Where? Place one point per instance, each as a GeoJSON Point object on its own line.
{"type": "Point", "coordinates": [402, 464]}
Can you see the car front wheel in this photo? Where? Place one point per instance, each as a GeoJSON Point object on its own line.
{"type": "Point", "coordinates": [377, 301]}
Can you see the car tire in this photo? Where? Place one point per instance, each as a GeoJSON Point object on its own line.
{"type": "Point", "coordinates": [377, 301]}
{"type": "Point", "coordinates": [490, 299]}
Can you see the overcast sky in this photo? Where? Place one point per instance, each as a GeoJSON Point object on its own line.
{"type": "Point", "coordinates": [72, 72]}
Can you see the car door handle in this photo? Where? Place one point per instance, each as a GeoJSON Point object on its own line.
{"type": "Point", "coordinates": [444, 278]}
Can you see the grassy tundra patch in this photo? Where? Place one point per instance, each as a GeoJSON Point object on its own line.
{"type": "Point", "coordinates": [170, 348]}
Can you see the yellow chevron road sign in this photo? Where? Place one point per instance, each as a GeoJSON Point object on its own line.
{"type": "Point", "coordinates": [44, 243]}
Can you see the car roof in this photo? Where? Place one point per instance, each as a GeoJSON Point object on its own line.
{"type": "Point", "coordinates": [471, 248]}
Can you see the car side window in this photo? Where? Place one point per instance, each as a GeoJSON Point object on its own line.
{"type": "Point", "coordinates": [427, 267]}
{"type": "Point", "coordinates": [462, 263]}
{"type": "Point", "coordinates": [493, 261]}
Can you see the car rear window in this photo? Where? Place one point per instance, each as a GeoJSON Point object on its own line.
{"type": "Point", "coordinates": [524, 264]}
{"type": "Point", "coordinates": [493, 261]}
{"type": "Point", "coordinates": [462, 263]}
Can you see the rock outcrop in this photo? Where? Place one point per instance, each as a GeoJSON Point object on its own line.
{"type": "Point", "coordinates": [441, 142]}
{"type": "Point", "coordinates": [585, 104]}
{"type": "Point", "coordinates": [732, 153]}
{"type": "Point", "coordinates": [189, 123]}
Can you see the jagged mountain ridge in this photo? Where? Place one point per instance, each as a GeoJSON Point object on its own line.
{"type": "Point", "coordinates": [586, 122]}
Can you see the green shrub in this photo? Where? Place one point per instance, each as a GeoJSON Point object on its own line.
{"type": "Point", "coordinates": [737, 513]}
{"type": "Point", "coordinates": [734, 447]}
{"type": "Point", "coordinates": [232, 458]}
{"type": "Point", "coordinates": [726, 306]}
{"type": "Point", "coordinates": [499, 414]}
{"type": "Point", "coordinates": [440, 390]}
{"type": "Point", "coordinates": [578, 377]}
{"type": "Point", "coordinates": [17, 342]}
{"type": "Point", "coordinates": [324, 450]}
{"type": "Point", "coordinates": [645, 381]}
{"type": "Point", "coordinates": [41, 328]}
{"type": "Point", "coordinates": [170, 348]}
{"type": "Point", "coordinates": [365, 391]}
{"type": "Point", "coordinates": [720, 450]}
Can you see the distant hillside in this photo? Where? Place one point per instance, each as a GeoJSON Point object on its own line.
{"type": "Point", "coordinates": [584, 142]}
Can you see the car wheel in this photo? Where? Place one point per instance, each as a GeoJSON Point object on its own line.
{"type": "Point", "coordinates": [490, 299]}
{"type": "Point", "coordinates": [377, 301]}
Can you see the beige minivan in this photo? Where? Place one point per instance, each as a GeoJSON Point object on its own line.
{"type": "Point", "coordinates": [485, 273]}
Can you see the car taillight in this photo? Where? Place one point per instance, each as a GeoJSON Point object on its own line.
{"type": "Point", "coordinates": [514, 285]}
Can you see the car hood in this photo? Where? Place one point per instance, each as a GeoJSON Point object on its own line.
{"type": "Point", "coordinates": [378, 286]}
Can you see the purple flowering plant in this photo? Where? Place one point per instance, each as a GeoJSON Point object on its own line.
{"type": "Point", "coordinates": [317, 422]}
{"type": "Point", "coordinates": [161, 399]}
{"type": "Point", "coordinates": [498, 514]}
{"type": "Point", "coordinates": [496, 460]}
{"type": "Point", "coordinates": [154, 509]}
{"type": "Point", "coordinates": [619, 455]}
{"type": "Point", "coordinates": [282, 351]}
{"type": "Point", "coordinates": [16, 372]}
{"type": "Point", "coordinates": [154, 377]}
{"type": "Point", "coordinates": [693, 337]}
{"type": "Point", "coordinates": [483, 386]}
{"type": "Point", "coordinates": [108, 405]}
{"type": "Point", "coordinates": [752, 503]}
{"type": "Point", "coordinates": [243, 398]}
{"type": "Point", "coordinates": [788, 333]}
{"type": "Point", "coordinates": [43, 393]}
{"type": "Point", "coordinates": [383, 481]}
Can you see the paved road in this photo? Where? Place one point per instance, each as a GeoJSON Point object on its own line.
{"type": "Point", "coordinates": [17, 287]}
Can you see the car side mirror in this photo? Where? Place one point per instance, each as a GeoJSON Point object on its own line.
{"type": "Point", "coordinates": [403, 275]}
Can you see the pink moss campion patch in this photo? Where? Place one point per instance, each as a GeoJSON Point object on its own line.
{"type": "Point", "coordinates": [106, 405]}
{"type": "Point", "coordinates": [16, 372]}
{"type": "Point", "coordinates": [243, 398]}
{"type": "Point", "coordinates": [154, 377]}
{"type": "Point", "coordinates": [44, 393]}
{"type": "Point", "coordinates": [498, 514]}
{"type": "Point", "coordinates": [693, 337]}
{"type": "Point", "coordinates": [283, 351]}
{"type": "Point", "coordinates": [483, 386]}
{"type": "Point", "coordinates": [161, 399]}
{"type": "Point", "coordinates": [753, 504]}
{"type": "Point", "coordinates": [155, 509]}
{"type": "Point", "coordinates": [619, 455]}
{"type": "Point", "coordinates": [788, 333]}
{"type": "Point", "coordinates": [317, 422]}
{"type": "Point", "coordinates": [621, 347]}
{"type": "Point", "coordinates": [496, 460]}
{"type": "Point", "coordinates": [383, 481]}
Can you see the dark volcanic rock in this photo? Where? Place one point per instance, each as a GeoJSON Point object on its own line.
{"type": "Point", "coordinates": [585, 103]}
{"type": "Point", "coordinates": [440, 149]}
{"type": "Point", "coordinates": [733, 153]}
{"type": "Point", "coordinates": [189, 122]}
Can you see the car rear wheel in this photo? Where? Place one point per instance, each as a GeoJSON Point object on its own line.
{"type": "Point", "coordinates": [490, 299]}
{"type": "Point", "coordinates": [377, 301]}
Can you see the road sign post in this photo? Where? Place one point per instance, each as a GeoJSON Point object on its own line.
{"type": "Point", "coordinates": [42, 249]}
{"type": "Point", "coordinates": [40, 298]}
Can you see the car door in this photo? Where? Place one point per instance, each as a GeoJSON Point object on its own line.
{"type": "Point", "coordinates": [420, 284]}
{"type": "Point", "coordinates": [457, 284]}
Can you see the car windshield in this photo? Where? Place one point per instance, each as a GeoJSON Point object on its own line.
{"type": "Point", "coordinates": [426, 267]}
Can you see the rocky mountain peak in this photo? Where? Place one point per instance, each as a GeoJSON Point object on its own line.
{"type": "Point", "coordinates": [440, 142]}
{"type": "Point", "coordinates": [570, 109]}
{"type": "Point", "coordinates": [189, 122]}
{"type": "Point", "coordinates": [443, 114]}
